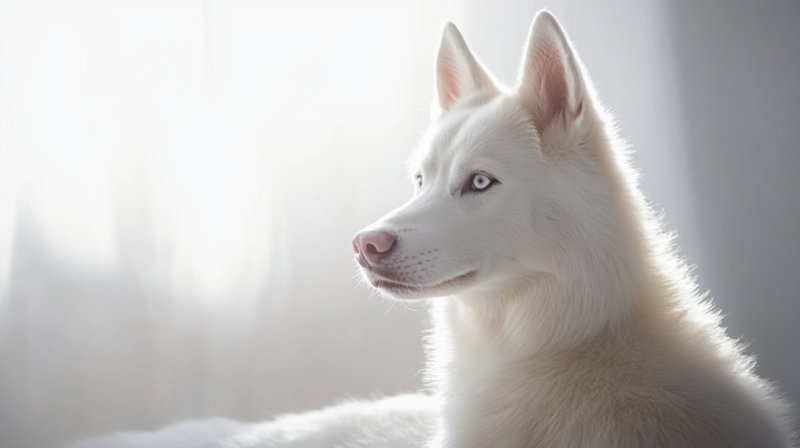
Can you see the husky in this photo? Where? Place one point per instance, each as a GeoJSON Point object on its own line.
{"type": "Point", "coordinates": [561, 314]}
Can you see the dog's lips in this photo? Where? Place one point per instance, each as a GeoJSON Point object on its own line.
{"type": "Point", "coordinates": [394, 286]}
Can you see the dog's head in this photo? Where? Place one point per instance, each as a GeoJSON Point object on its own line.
{"type": "Point", "coordinates": [504, 181]}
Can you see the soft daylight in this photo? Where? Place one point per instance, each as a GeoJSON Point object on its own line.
{"type": "Point", "coordinates": [426, 224]}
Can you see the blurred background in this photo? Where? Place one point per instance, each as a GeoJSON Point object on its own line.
{"type": "Point", "coordinates": [180, 180]}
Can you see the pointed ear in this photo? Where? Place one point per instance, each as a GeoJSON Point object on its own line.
{"type": "Point", "coordinates": [458, 72]}
{"type": "Point", "coordinates": [551, 82]}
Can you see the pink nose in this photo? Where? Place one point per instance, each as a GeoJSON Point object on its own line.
{"type": "Point", "coordinates": [372, 246]}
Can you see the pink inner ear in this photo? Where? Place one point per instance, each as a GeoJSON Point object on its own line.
{"type": "Point", "coordinates": [449, 78]}
{"type": "Point", "coordinates": [553, 91]}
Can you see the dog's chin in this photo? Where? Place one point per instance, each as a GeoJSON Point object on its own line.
{"type": "Point", "coordinates": [408, 291]}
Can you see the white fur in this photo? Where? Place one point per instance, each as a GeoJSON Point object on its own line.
{"type": "Point", "coordinates": [562, 316]}
{"type": "Point", "coordinates": [404, 421]}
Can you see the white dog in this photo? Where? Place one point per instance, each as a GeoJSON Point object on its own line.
{"type": "Point", "coordinates": [562, 316]}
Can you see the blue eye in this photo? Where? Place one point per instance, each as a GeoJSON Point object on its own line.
{"type": "Point", "coordinates": [480, 181]}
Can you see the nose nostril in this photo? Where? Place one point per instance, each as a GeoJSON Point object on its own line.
{"type": "Point", "coordinates": [372, 247]}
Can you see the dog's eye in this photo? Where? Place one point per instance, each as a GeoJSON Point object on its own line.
{"type": "Point", "coordinates": [480, 181]}
{"type": "Point", "coordinates": [418, 181]}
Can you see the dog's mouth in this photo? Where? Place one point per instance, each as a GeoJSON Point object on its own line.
{"type": "Point", "coordinates": [401, 288]}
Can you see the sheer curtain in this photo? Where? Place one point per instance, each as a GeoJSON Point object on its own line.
{"type": "Point", "coordinates": [179, 183]}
